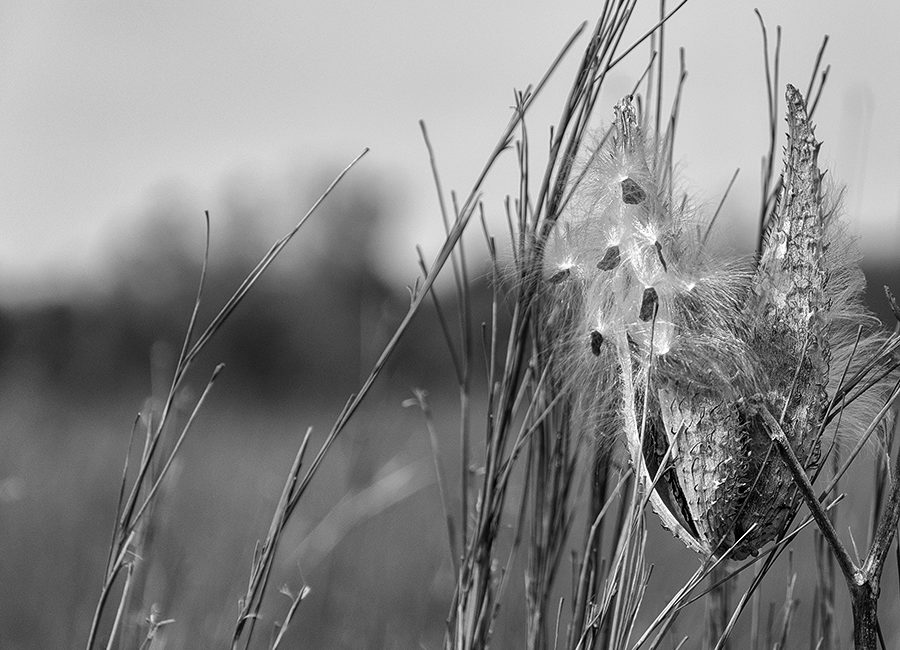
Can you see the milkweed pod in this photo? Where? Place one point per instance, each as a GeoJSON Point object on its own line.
{"type": "Point", "coordinates": [788, 306]}
{"type": "Point", "coordinates": [679, 344]}
{"type": "Point", "coordinates": [724, 488]}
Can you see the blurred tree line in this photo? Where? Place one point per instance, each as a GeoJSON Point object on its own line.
{"type": "Point", "coordinates": [310, 328]}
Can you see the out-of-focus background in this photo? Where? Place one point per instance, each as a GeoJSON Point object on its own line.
{"type": "Point", "coordinates": [120, 123]}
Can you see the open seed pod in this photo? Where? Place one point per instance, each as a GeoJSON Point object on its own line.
{"type": "Point", "coordinates": [693, 341]}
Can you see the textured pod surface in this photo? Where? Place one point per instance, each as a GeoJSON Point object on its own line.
{"type": "Point", "coordinates": [787, 305]}
{"type": "Point", "coordinates": [711, 462]}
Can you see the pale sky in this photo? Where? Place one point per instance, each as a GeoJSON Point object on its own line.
{"type": "Point", "coordinates": [105, 104]}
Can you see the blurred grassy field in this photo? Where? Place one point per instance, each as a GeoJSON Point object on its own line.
{"type": "Point", "coordinates": [370, 539]}
{"type": "Point", "coordinates": [377, 566]}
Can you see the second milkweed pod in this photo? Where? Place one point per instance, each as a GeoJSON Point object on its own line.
{"type": "Point", "coordinates": [787, 306]}
{"type": "Point", "coordinates": [735, 486]}
{"type": "Point", "coordinates": [737, 489]}
{"type": "Point", "coordinates": [809, 328]}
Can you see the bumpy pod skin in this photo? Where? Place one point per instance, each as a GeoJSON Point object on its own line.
{"type": "Point", "coordinates": [710, 460]}
{"type": "Point", "coordinates": [679, 344]}
{"type": "Point", "coordinates": [788, 306]}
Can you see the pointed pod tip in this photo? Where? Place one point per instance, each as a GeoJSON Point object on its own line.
{"type": "Point", "coordinates": [797, 117]}
{"type": "Point", "coordinates": [628, 130]}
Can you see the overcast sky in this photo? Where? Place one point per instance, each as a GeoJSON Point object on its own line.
{"type": "Point", "coordinates": [102, 104]}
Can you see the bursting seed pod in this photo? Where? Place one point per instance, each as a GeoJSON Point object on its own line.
{"type": "Point", "coordinates": [675, 347]}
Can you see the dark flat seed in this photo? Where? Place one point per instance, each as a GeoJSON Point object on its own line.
{"type": "Point", "coordinates": [559, 276]}
{"type": "Point", "coordinates": [649, 303]}
{"type": "Point", "coordinates": [611, 259]}
{"type": "Point", "coordinates": [596, 342]}
{"type": "Point", "coordinates": [660, 256]}
{"type": "Point", "coordinates": [632, 194]}
{"type": "Point", "coordinates": [632, 344]}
